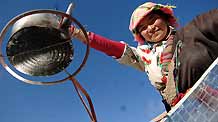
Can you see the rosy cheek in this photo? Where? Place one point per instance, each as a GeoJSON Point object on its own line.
{"type": "Point", "coordinates": [145, 34]}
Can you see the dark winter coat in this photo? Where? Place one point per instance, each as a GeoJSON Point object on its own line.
{"type": "Point", "coordinates": [199, 48]}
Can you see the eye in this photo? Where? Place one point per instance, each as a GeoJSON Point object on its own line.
{"type": "Point", "coordinates": [152, 19]}
{"type": "Point", "coordinates": [142, 27]}
{"type": "Point", "coordinates": [149, 20]}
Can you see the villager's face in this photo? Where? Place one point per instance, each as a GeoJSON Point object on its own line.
{"type": "Point", "coordinates": [153, 28]}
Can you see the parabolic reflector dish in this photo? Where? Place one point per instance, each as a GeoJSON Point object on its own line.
{"type": "Point", "coordinates": [39, 51]}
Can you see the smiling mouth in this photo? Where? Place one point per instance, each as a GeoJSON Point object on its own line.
{"type": "Point", "coordinates": [156, 35]}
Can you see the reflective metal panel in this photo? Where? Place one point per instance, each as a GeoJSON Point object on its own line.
{"type": "Point", "coordinates": [201, 103]}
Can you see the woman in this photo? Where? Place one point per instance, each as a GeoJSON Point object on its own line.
{"type": "Point", "coordinates": [173, 60]}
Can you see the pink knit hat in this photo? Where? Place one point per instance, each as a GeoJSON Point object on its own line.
{"type": "Point", "coordinates": [143, 10]}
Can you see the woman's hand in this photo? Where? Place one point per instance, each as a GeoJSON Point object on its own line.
{"type": "Point", "coordinates": [78, 34]}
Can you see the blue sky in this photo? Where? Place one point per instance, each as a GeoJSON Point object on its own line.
{"type": "Point", "coordinates": [119, 93]}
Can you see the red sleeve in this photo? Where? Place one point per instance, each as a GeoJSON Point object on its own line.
{"type": "Point", "coordinates": [109, 47]}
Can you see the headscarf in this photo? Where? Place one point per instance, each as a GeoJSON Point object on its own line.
{"type": "Point", "coordinates": [143, 10]}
